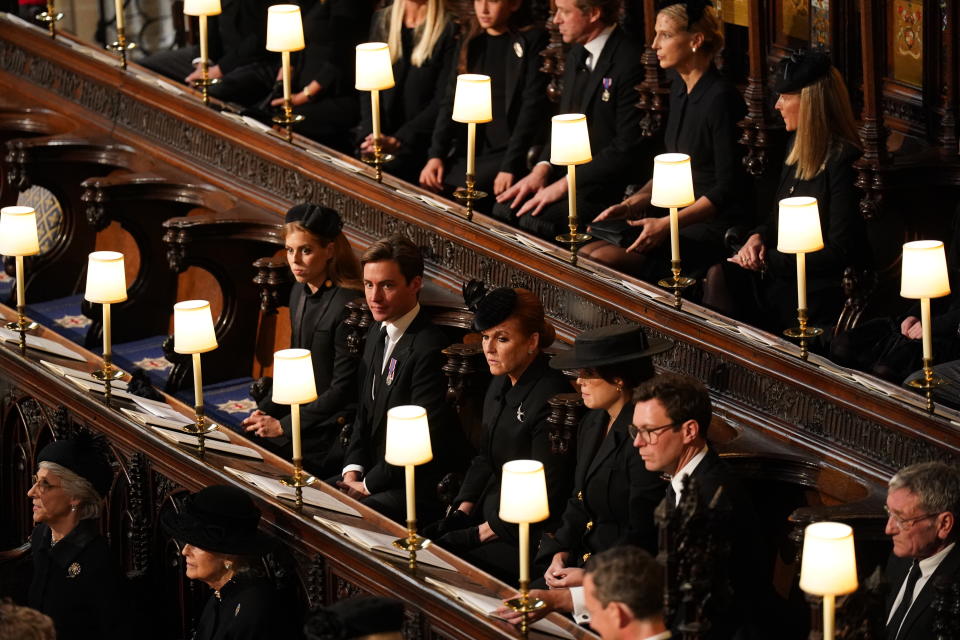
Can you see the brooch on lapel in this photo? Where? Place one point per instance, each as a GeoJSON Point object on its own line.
{"type": "Point", "coordinates": [607, 83]}
{"type": "Point", "coordinates": [518, 49]}
{"type": "Point", "coordinates": [391, 371]}
{"type": "Point", "coordinates": [521, 414]}
{"type": "Point", "coordinates": [73, 570]}
{"type": "Point", "coordinates": [236, 611]}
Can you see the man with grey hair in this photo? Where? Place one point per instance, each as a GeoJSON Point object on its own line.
{"type": "Point", "coordinates": [623, 590]}
{"type": "Point", "coordinates": [923, 501]}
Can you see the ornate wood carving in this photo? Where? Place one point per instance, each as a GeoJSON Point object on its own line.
{"type": "Point", "coordinates": [566, 409]}
{"type": "Point", "coordinates": [756, 124]}
{"type": "Point", "coordinates": [358, 320]}
{"type": "Point", "coordinates": [554, 61]}
{"type": "Point", "coordinates": [274, 279]}
{"type": "Point", "coordinates": [654, 91]}
{"type": "Point", "coordinates": [870, 178]}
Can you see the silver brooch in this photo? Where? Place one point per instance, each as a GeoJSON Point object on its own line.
{"type": "Point", "coordinates": [520, 413]}
{"type": "Point", "coordinates": [236, 611]}
{"type": "Point", "coordinates": [518, 49]}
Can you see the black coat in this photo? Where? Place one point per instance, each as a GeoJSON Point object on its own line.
{"type": "Point", "coordinates": [918, 623]}
{"type": "Point", "coordinates": [78, 584]}
{"type": "Point", "coordinates": [331, 30]}
{"type": "Point", "coordinates": [613, 493]}
{"type": "Point", "coordinates": [418, 379]}
{"type": "Point", "coordinates": [247, 609]}
{"type": "Point", "coordinates": [238, 36]}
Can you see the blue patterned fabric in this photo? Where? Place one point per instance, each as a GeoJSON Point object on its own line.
{"type": "Point", "coordinates": [226, 403]}
{"type": "Point", "coordinates": [147, 354]}
{"type": "Point", "coordinates": [63, 316]}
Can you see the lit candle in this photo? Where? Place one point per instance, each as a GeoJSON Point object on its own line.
{"type": "Point", "coordinates": [674, 234]}
{"type": "Point", "coordinates": [472, 104]}
{"type": "Point", "coordinates": [411, 494]}
{"type": "Point", "coordinates": [295, 431]}
{"type": "Point", "coordinates": [203, 40]}
{"type": "Point", "coordinates": [471, 148]}
{"type": "Point", "coordinates": [801, 281]}
{"type": "Point", "coordinates": [927, 328]}
{"type": "Point", "coordinates": [374, 73]}
{"type": "Point", "coordinates": [294, 384]}
{"type": "Point", "coordinates": [197, 381]}
{"type": "Point", "coordinates": [408, 445]}
{"type": "Point", "coordinates": [119, 10]}
{"type": "Point", "coordinates": [21, 299]}
{"type": "Point", "coordinates": [571, 195]}
{"type": "Point", "coordinates": [924, 276]}
{"type": "Point", "coordinates": [106, 330]}
{"type": "Point", "coordinates": [375, 113]}
{"type": "Point", "coordinates": [524, 552]}
{"type": "Point", "coordinates": [672, 189]}
{"type": "Point", "coordinates": [285, 58]}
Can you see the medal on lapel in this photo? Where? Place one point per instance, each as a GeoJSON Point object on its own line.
{"type": "Point", "coordinates": [607, 83]}
{"type": "Point", "coordinates": [391, 370]}
{"type": "Point", "coordinates": [520, 413]}
{"type": "Point", "coordinates": [73, 570]}
{"type": "Point", "coordinates": [518, 49]}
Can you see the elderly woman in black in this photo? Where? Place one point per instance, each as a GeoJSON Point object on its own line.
{"type": "Point", "coordinates": [217, 530]}
{"type": "Point", "coordinates": [514, 333]}
{"type": "Point", "coordinates": [76, 580]}
{"type": "Point", "coordinates": [328, 277]}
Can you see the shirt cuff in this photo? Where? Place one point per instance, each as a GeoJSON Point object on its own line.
{"type": "Point", "coordinates": [580, 615]}
{"type": "Point", "coordinates": [351, 467]}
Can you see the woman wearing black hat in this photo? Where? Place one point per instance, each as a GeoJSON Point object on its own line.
{"type": "Point", "coordinates": [328, 277]}
{"type": "Point", "coordinates": [217, 530]}
{"type": "Point", "coordinates": [514, 333]}
{"type": "Point", "coordinates": [825, 144]}
{"type": "Point", "coordinates": [76, 580]}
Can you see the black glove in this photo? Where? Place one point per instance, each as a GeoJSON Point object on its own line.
{"type": "Point", "coordinates": [461, 540]}
{"type": "Point", "coordinates": [457, 519]}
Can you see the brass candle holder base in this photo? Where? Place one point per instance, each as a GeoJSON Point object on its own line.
{"type": "Point", "coordinates": [677, 283]}
{"type": "Point", "coordinates": [287, 119]}
{"type": "Point", "coordinates": [50, 17]}
{"type": "Point", "coordinates": [203, 84]}
{"type": "Point", "coordinates": [376, 160]}
{"type": "Point", "coordinates": [803, 333]}
{"type": "Point", "coordinates": [121, 46]}
{"type": "Point", "coordinates": [927, 383]}
{"type": "Point", "coordinates": [200, 428]}
{"type": "Point", "coordinates": [469, 194]}
{"type": "Point", "coordinates": [411, 543]}
{"type": "Point", "coordinates": [525, 605]}
{"type": "Point", "coordinates": [22, 324]}
{"type": "Point", "coordinates": [298, 481]}
{"type": "Point", "coordinates": [107, 373]}
{"type": "Point", "coordinates": [573, 240]}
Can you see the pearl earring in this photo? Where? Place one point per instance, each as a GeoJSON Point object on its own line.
{"type": "Point", "coordinates": [73, 508]}
{"type": "Point", "coordinates": [694, 49]}
{"type": "Point", "coordinates": [228, 565]}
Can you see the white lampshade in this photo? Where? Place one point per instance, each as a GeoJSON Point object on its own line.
{"type": "Point", "coordinates": [293, 381]}
{"type": "Point", "coordinates": [408, 436]}
{"type": "Point", "coordinates": [201, 7]}
{"type": "Point", "coordinates": [829, 565]}
{"type": "Point", "coordinates": [472, 102]}
{"type": "Point", "coordinates": [106, 278]}
{"type": "Point", "coordinates": [798, 230]}
{"type": "Point", "coordinates": [18, 231]}
{"type": "Point", "coordinates": [523, 492]}
{"type": "Point", "coordinates": [569, 139]}
{"type": "Point", "coordinates": [193, 327]}
{"type": "Point", "coordinates": [374, 67]}
{"type": "Point", "coordinates": [672, 181]}
{"type": "Point", "coordinates": [924, 272]}
{"type": "Point", "coordinates": [284, 28]}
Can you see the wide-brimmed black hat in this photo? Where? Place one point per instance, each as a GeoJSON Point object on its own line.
{"type": "Point", "coordinates": [609, 345]}
{"type": "Point", "coordinates": [315, 218]}
{"type": "Point", "coordinates": [221, 519]}
{"type": "Point", "coordinates": [84, 457]}
{"type": "Point", "coordinates": [353, 618]}
{"type": "Point", "coordinates": [801, 69]}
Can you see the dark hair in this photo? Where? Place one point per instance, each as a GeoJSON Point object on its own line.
{"type": "Point", "coordinates": [609, 9]}
{"type": "Point", "coordinates": [344, 268]}
{"type": "Point", "coordinates": [683, 397]}
{"type": "Point", "coordinates": [628, 575]}
{"type": "Point", "coordinates": [401, 250]}
{"type": "Point", "coordinates": [631, 373]}
{"type": "Point", "coordinates": [936, 485]}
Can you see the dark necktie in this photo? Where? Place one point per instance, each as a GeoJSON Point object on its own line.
{"type": "Point", "coordinates": [581, 78]}
{"type": "Point", "coordinates": [893, 628]}
{"type": "Point", "coordinates": [671, 497]}
{"type": "Point", "coordinates": [377, 363]}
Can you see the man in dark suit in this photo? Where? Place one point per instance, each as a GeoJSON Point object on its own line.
{"type": "Point", "coordinates": [602, 69]}
{"type": "Point", "coordinates": [623, 589]}
{"type": "Point", "coordinates": [401, 365]}
{"type": "Point", "coordinates": [923, 502]}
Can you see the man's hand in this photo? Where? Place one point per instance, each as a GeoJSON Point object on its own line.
{"type": "Point", "coordinates": [353, 488]}
{"type": "Point", "coordinates": [431, 177]}
{"type": "Point", "coordinates": [529, 184]}
{"type": "Point", "coordinates": [262, 425]}
{"type": "Point", "coordinates": [752, 255]}
{"type": "Point", "coordinates": [912, 328]}
{"type": "Point", "coordinates": [632, 207]}
{"type": "Point", "coordinates": [486, 532]}
{"type": "Point", "coordinates": [544, 197]}
{"type": "Point", "coordinates": [655, 232]}
{"type": "Point", "coordinates": [502, 182]}
{"type": "Point", "coordinates": [388, 144]}
{"type": "Point", "coordinates": [555, 599]}
{"type": "Point", "coordinates": [214, 73]}
{"type": "Point", "coordinates": [296, 99]}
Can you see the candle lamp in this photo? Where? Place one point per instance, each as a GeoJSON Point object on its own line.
{"type": "Point", "coordinates": [471, 105]}
{"type": "Point", "coordinates": [374, 73]}
{"type": "Point", "coordinates": [924, 276]}
{"type": "Point", "coordinates": [798, 231]}
{"type": "Point", "coordinates": [408, 445]}
{"type": "Point", "coordinates": [828, 567]}
{"type": "Point", "coordinates": [121, 45]}
{"type": "Point", "coordinates": [570, 146]}
{"type": "Point", "coordinates": [51, 17]}
{"type": "Point", "coordinates": [18, 238]}
{"type": "Point", "coordinates": [106, 285]}
{"type": "Point", "coordinates": [523, 499]}
{"type": "Point", "coordinates": [202, 9]}
{"type": "Point", "coordinates": [193, 333]}
{"type": "Point", "coordinates": [293, 384]}
{"type": "Point", "coordinates": [673, 189]}
{"type": "Point", "coordinates": [285, 34]}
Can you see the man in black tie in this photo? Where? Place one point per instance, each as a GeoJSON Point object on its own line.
{"type": "Point", "coordinates": [602, 69]}
{"type": "Point", "coordinates": [401, 365]}
{"type": "Point", "coordinates": [923, 502]}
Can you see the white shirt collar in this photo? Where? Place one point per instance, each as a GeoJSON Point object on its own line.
{"type": "Point", "coordinates": [663, 635]}
{"type": "Point", "coordinates": [595, 47]}
{"type": "Point", "coordinates": [677, 480]}
{"type": "Point", "coordinates": [396, 328]}
{"type": "Point", "coordinates": [929, 565]}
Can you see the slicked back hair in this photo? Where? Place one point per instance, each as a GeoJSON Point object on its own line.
{"type": "Point", "coordinates": [683, 397]}
{"type": "Point", "coordinates": [628, 575]}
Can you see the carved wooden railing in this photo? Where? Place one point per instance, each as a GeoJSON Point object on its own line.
{"type": "Point", "coordinates": [19, 122]}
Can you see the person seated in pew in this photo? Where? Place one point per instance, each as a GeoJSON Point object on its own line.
{"type": "Point", "coordinates": [422, 37]}
{"type": "Point", "coordinates": [759, 280]}
{"type": "Point", "coordinates": [24, 623]}
{"type": "Point", "coordinates": [402, 364]}
{"type": "Point", "coordinates": [515, 410]}
{"type": "Point", "coordinates": [76, 580]}
{"type": "Point", "coordinates": [923, 504]}
{"type": "Point", "coordinates": [327, 277]}
{"type": "Point", "coordinates": [503, 45]}
{"type": "Point", "coordinates": [702, 122]}
{"type": "Point", "coordinates": [216, 529]}
{"type": "Point", "coordinates": [602, 69]}
{"type": "Point", "coordinates": [361, 618]}
{"type": "Point", "coordinates": [623, 589]}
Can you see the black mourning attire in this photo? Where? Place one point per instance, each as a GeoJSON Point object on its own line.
{"type": "Point", "coordinates": [918, 622]}
{"type": "Point", "coordinates": [78, 583]}
{"type": "Point", "coordinates": [247, 608]}
{"type": "Point", "coordinates": [520, 107]}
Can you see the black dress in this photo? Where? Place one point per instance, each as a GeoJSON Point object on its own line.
{"type": "Point", "coordinates": [247, 609]}
{"type": "Point", "coordinates": [78, 584]}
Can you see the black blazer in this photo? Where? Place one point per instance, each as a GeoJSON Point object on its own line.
{"type": "Point", "coordinates": [238, 36]}
{"type": "Point", "coordinates": [614, 124]}
{"type": "Point", "coordinates": [526, 104]}
{"type": "Point", "coordinates": [918, 623]}
{"type": "Point", "coordinates": [612, 491]}
{"type": "Point", "coordinates": [418, 379]}
{"type": "Point", "coordinates": [248, 609]}
{"type": "Point", "coordinates": [515, 423]}
{"type": "Point", "coordinates": [331, 30]}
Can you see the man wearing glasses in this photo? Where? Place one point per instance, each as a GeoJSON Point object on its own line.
{"type": "Point", "coordinates": [923, 501]}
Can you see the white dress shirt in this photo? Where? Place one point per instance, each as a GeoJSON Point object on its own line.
{"type": "Point", "coordinates": [927, 568]}
{"type": "Point", "coordinates": [677, 480]}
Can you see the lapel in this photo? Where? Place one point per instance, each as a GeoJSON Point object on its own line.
{"type": "Point", "coordinates": [600, 70]}
{"type": "Point", "coordinates": [515, 395]}
{"type": "Point", "coordinates": [400, 355]}
{"type": "Point", "coordinates": [612, 441]}
{"type": "Point", "coordinates": [369, 346]}
{"type": "Point", "coordinates": [924, 599]}
{"type": "Point", "coordinates": [569, 78]}
{"type": "Point", "coordinates": [515, 68]}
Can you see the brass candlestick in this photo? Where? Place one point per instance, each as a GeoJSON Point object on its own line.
{"type": "Point", "coordinates": [573, 239]}
{"type": "Point", "coordinates": [121, 46]}
{"type": "Point", "coordinates": [51, 16]}
{"type": "Point", "coordinates": [205, 82]}
{"type": "Point", "coordinates": [411, 543]}
{"type": "Point", "coordinates": [107, 372]}
{"type": "Point", "coordinates": [468, 194]}
{"type": "Point", "coordinates": [927, 383]}
{"type": "Point", "coordinates": [287, 119]}
{"type": "Point", "coordinates": [525, 605]}
{"type": "Point", "coordinates": [298, 481]}
{"type": "Point", "coordinates": [677, 283]}
{"type": "Point", "coordinates": [199, 428]}
{"type": "Point", "coordinates": [377, 159]}
{"type": "Point", "coordinates": [22, 324]}
{"type": "Point", "coordinates": [803, 332]}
